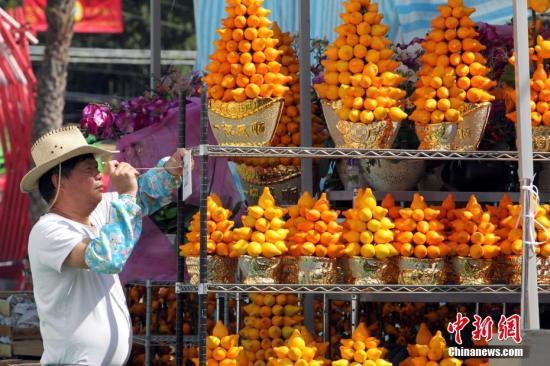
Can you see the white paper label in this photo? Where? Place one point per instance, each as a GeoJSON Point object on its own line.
{"type": "Point", "coordinates": [186, 178]}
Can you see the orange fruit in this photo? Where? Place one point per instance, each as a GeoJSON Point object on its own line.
{"type": "Point", "coordinates": [437, 116]}
{"type": "Point", "coordinates": [433, 252]}
{"type": "Point", "coordinates": [463, 82]}
{"type": "Point", "coordinates": [455, 46]}
{"type": "Point", "coordinates": [258, 44]}
{"type": "Point", "coordinates": [345, 53]}
{"type": "Point", "coordinates": [468, 57]}
{"type": "Point", "coordinates": [420, 251]}
{"type": "Point", "coordinates": [462, 70]}
{"type": "Point", "coordinates": [271, 54]}
{"type": "Point", "coordinates": [252, 91]}
{"type": "Point", "coordinates": [356, 65]}
{"type": "Point", "coordinates": [443, 105]}
{"type": "Point", "coordinates": [476, 251]}
{"type": "Point", "coordinates": [455, 59]}
{"type": "Point", "coordinates": [451, 22]}
{"type": "Point", "coordinates": [262, 68]}
{"type": "Point", "coordinates": [239, 21]}
{"type": "Point", "coordinates": [450, 34]}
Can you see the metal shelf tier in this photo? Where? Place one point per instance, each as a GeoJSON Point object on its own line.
{"type": "Point", "coordinates": [336, 153]}
{"type": "Point", "coordinates": [164, 339]}
{"type": "Point", "coordinates": [384, 293]}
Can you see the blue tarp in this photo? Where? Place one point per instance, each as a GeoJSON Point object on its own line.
{"type": "Point", "coordinates": [407, 18]}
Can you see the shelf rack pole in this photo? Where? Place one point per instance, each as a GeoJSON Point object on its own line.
{"type": "Point", "coordinates": [155, 38]}
{"type": "Point", "coordinates": [203, 193]}
{"type": "Point", "coordinates": [326, 318]}
{"type": "Point", "coordinates": [529, 296]}
{"type": "Point", "coordinates": [305, 92]}
{"type": "Point", "coordinates": [148, 323]}
{"type": "Point", "coordinates": [354, 312]}
{"type": "Point", "coordinates": [179, 238]}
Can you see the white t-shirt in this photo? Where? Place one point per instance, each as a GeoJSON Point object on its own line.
{"type": "Point", "coordinates": [83, 315]}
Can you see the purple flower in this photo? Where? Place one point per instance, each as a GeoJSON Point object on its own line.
{"type": "Point", "coordinates": [133, 115]}
{"type": "Point", "coordinates": [98, 120]}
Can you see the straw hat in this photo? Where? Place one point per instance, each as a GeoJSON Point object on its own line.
{"type": "Point", "coordinates": [55, 147]}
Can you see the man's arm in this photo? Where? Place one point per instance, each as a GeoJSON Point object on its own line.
{"type": "Point", "coordinates": [156, 186]}
{"type": "Point", "coordinates": [109, 252]}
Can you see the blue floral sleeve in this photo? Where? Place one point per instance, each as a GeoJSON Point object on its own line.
{"type": "Point", "coordinates": [156, 188]}
{"type": "Point", "coordinates": [109, 252]}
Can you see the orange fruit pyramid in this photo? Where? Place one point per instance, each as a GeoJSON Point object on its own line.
{"type": "Point", "coordinates": [473, 232]}
{"type": "Point", "coordinates": [219, 231]}
{"type": "Point", "coordinates": [262, 233]}
{"type": "Point", "coordinates": [288, 133]}
{"type": "Point", "coordinates": [314, 229]}
{"type": "Point", "coordinates": [367, 229]}
{"type": "Point", "coordinates": [361, 349]}
{"type": "Point", "coordinates": [540, 86]}
{"type": "Point", "coordinates": [244, 65]}
{"type": "Point", "coordinates": [419, 232]}
{"type": "Point", "coordinates": [454, 71]}
{"type": "Point", "coordinates": [359, 69]}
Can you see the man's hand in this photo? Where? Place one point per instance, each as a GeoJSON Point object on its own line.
{"type": "Point", "coordinates": [174, 165]}
{"type": "Point", "coordinates": [123, 177]}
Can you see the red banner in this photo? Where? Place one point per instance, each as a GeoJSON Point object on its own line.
{"type": "Point", "coordinates": [90, 16]}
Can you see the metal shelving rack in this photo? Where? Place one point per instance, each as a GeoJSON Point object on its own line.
{"type": "Point", "coordinates": [527, 294]}
{"type": "Point", "coordinates": [336, 153]}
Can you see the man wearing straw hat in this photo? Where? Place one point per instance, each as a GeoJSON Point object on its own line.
{"type": "Point", "coordinates": [77, 249]}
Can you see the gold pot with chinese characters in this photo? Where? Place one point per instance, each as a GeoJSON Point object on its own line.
{"type": "Point", "coordinates": [289, 270]}
{"type": "Point", "coordinates": [470, 271]}
{"type": "Point", "coordinates": [259, 270]}
{"type": "Point", "coordinates": [221, 270]}
{"type": "Point", "coordinates": [283, 181]}
{"type": "Point", "coordinates": [371, 271]}
{"type": "Point", "coordinates": [507, 270]}
{"type": "Point", "coordinates": [356, 135]}
{"type": "Point", "coordinates": [470, 131]}
{"type": "Point", "coordinates": [249, 123]}
{"type": "Point", "coordinates": [436, 136]}
{"type": "Point", "coordinates": [541, 139]}
{"type": "Point", "coordinates": [318, 271]}
{"type": "Point", "coordinates": [420, 272]}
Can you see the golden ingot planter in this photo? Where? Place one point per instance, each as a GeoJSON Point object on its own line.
{"type": "Point", "coordinates": [356, 135]}
{"type": "Point", "coordinates": [449, 275]}
{"type": "Point", "coordinates": [288, 273]}
{"type": "Point", "coordinates": [221, 270]}
{"type": "Point", "coordinates": [248, 123]}
{"type": "Point", "coordinates": [415, 271]}
{"type": "Point", "coordinates": [371, 271]}
{"type": "Point", "coordinates": [318, 271]}
{"type": "Point", "coordinates": [470, 131]}
{"type": "Point", "coordinates": [259, 270]}
{"type": "Point", "coordinates": [509, 270]}
{"type": "Point", "coordinates": [329, 111]}
{"type": "Point", "coordinates": [283, 181]}
{"type": "Point", "coordinates": [471, 271]}
{"type": "Point", "coordinates": [541, 139]}
{"type": "Point", "coordinates": [393, 175]}
{"type": "Point", "coordinates": [436, 136]}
